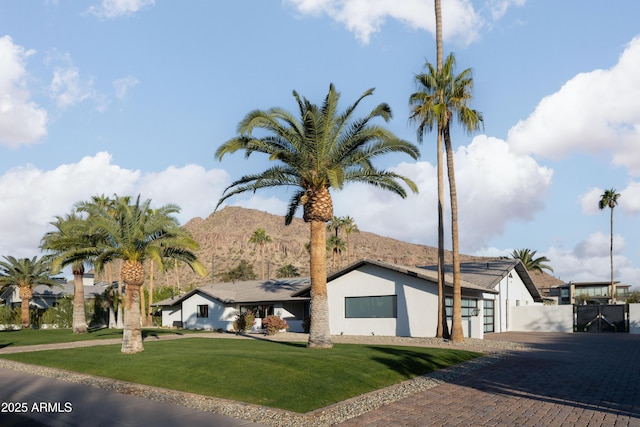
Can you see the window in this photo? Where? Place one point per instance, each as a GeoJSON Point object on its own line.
{"type": "Point", "coordinates": [259, 311]}
{"type": "Point", "coordinates": [469, 307]}
{"type": "Point", "coordinates": [371, 307]}
{"type": "Point", "coordinates": [489, 315]}
{"type": "Point", "coordinates": [203, 311]}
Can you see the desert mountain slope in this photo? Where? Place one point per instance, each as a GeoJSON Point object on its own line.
{"type": "Point", "coordinates": [224, 242]}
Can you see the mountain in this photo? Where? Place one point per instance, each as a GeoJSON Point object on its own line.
{"type": "Point", "coordinates": [224, 242]}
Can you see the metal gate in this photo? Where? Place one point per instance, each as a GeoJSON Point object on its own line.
{"type": "Point", "coordinates": [601, 318]}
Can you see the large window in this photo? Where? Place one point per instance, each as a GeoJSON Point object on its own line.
{"type": "Point", "coordinates": [469, 307]}
{"type": "Point", "coordinates": [203, 311]}
{"type": "Point", "coordinates": [370, 307]}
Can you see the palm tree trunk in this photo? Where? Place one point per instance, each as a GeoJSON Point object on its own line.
{"type": "Point", "coordinates": [442, 330]}
{"type": "Point", "coordinates": [457, 334]}
{"type": "Point", "coordinates": [79, 317]}
{"type": "Point", "coordinates": [132, 333]}
{"type": "Point", "coordinates": [143, 308]}
{"type": "Point", "coordinates": [25, 293]}
{"type": "Point", "coordinates": [149, 319]}
{"type": "Point", "coordinates": [319, 334]}
{"type": "Point", "coordinates": [111, 297]}
{"type": "Point", "coordinates": [613, 285]}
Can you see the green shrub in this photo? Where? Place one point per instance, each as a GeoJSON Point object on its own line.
{"type": "Point", "coordinates": [274, 324]}
{"type": "Point", "coordinates": [244, 321]}
{"type": "Point", "coordinates": [9, 316]}
{"type": "Point", "coordinates": [60, 314]}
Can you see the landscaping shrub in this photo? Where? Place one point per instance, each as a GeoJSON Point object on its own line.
{"type": "Point", "coordinates": [9, 316]}
{"type": "Point", "coordinates": [60, 315]}
{"type": "Point", "coordinates": [273, 324]}
{"type": "Point", "coordinates": [244, 321]}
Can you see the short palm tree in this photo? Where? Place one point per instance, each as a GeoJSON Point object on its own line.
{"type": "Point", "coordinates": [336, 245]}
{"type": "Point", "coordinates": [260, 238]}
{"type": "Point", "coordinates": [443, 94]}
{"type": "Point", "coordinates": [321, 150]}
{"type": "Point", "coordinates": [134, 233]}
{"type": "Point", "coordinates": [70, 245]}
{"type": "Point", "coordinates": [609, 199]}
{"type": "Point", "coordinates": [529, 260]}
{"type": "Point", "coordinates": [25, 273]}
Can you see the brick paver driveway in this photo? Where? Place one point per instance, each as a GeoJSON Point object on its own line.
{"type": "Point", "coordinates": [563, 380]}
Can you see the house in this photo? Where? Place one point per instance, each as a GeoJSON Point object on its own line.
{"type": "Point", "coordinates": [374, 297]}
{"type": "Point", "coordinates": [367, 297]}
{"type": "Point", "coordinates": [216, 306]}
{"type": "Point", "coordinates": [588, 292]}
{"type": "Point", "coordinates": [46, 296]}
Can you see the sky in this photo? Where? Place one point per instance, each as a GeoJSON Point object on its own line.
{"type": "Point", "coordinates": [133, 97]}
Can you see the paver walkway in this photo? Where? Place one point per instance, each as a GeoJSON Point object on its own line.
{"type": "Point", "coordinates": [564, 380]}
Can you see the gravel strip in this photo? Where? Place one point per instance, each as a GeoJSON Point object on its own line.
{"type": "Point", "coordinates": [330, 415]}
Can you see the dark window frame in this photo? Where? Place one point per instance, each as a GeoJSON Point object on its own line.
{"type": "Point", "coordinates": [202, 311]}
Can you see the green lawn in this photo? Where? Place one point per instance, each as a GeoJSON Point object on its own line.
{"type": "Point", "coordinates": [50, 336]}
{"type": "Point", "coordinates": [276, 374]}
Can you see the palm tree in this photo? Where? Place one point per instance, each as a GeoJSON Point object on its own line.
{"type": "Point", "coordinates": [336, 245]}
{"type": "Point", "coordinates": [442, 95]}
{"type": "Point", "coordinates": [421, 104]}
{"type": "Point", "coordinates": [322, 150]}
{"type": "Point", "coordinates": [335, 225]}
{"type": "Point", "coordinates": [350, 226]}
{"type": "Point", "coordinates": [530, 262]}
{"type": "Point", "coordinates": [610, 199]}
{"type": "Point", "coordinates": [260, 238]}
{"type": "Point", "coordinates": [70, 245]}
{"type": "Point", "coordinates": [133, 235]}
{"type": "Point", "coordinates": [288, 270]}
{"type": "Point", "coordinates": [25, 273]}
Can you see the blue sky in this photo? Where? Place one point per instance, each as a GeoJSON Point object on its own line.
{"type": "Point", "coordinates": [134, 96]}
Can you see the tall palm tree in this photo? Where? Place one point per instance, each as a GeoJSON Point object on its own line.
{"type": "Point", "coordinates": [609, 199]}
{"type": "Point", "coordinates": [529, 260]}
{"type": "Point", "coordinates": [350, 226]}
{"type": "Point", "coordinates": [442, 95]}
{"type": "Point", "coordinates": [70, 244]}
{"type": "Point", "coordinates": [420, 105]}
{"type": "Point", "coordinates": [25, 273]}
{"type": "Point", "coordinates": [260, 238]}
{"type": "Point", "coordinates": [321, 150]}
{"type": "Point", "coordinates": [133, 236]}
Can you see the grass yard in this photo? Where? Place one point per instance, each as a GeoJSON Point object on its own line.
{"type": "Point", "coordinates": [49, 336]}
{"type": "Point", "coordinates": [276, 374]}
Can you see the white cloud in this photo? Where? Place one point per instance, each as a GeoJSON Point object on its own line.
{"type": "Point", "coordinates": [32, 197]}
{"type": "Point", "coordinates": [123, 85]}
{"type": "Point", "coordinates": [111, 9]}
{"type": "Point", "coordinates": [590, 260]}
{"type": "Point", "coordinates": [68, 89]}
{"type": "Point", "coordinates": [594, 112]}
{"type": "Point", "coordinates": [366, 17]}
{"type": "Point", "coordinates": [494, 186]}
{"type": "Point", "coordinates": [629, 199]}
{"type": "Point", "coordinates": [22, 121]}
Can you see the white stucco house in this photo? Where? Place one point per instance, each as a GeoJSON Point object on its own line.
{"type": "Point", "coordinates": [367, 297]}
{"type": "Point", "coordinates": [373, 297]}
{"type": "Point", "coordinates": [216, 306]}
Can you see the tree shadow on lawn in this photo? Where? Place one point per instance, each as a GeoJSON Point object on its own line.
{"type": "Point", "coordinates": [264, 338]}
{"type": "Point", "coordinates": [411, 363]}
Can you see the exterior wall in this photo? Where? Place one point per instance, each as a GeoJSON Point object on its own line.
{"type": "Point", "coordinates": [416, 303]}
{"type": "Point", "coordinates": [170, 315]}
{"type": "Point", "coordinates": [542, 318]}
{"type": "Point", "coordinates": [512, 293]}
{"type": "Point", "coordinates": [220, 316]}
{"type": "Point", "coordinates": [634, 318]}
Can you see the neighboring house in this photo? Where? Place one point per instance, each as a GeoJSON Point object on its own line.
{"type": "Point", "coordinates": [216, 306]}
{"type": "Point", "coordinates": [587, 292]}
{"type": "Point", "coordinates": [367, 297]}
{"type": "Point", "coordinates": [45, 296]}
{"type": "Point", "coordinates": [373, 297]}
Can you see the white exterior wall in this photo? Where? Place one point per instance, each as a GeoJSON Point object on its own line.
{"type": "Point", "coordinates": [512, 293]}
{"type": "Point", "coordinates": [634, 318]}
{"type": "Point", "coordinates": [219, 315]}
{"type": "Point", "coordinates": [170, 315]}
{"type": "Point", "coordinates": [416, 303]}
{"type": "Point", "coordinates": [542, 318]}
